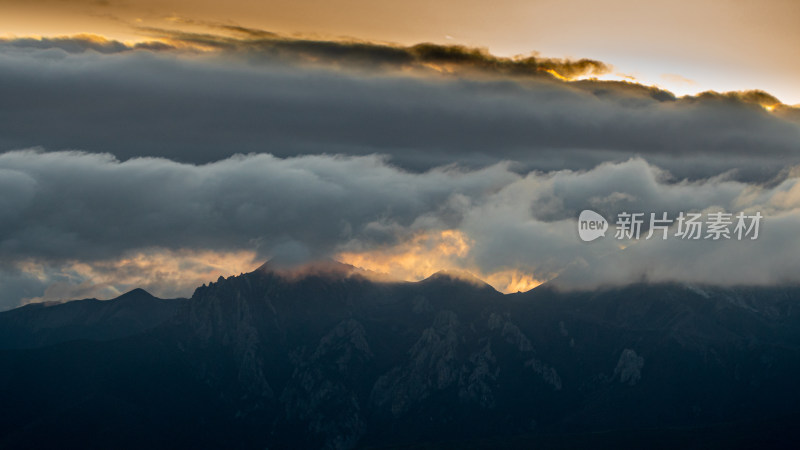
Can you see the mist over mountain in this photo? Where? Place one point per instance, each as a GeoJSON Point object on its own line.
{"type": "Point", "coordinates": [325, 355]}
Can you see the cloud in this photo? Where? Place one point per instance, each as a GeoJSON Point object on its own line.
{"type": "Point", "coordinates": [351, 52]}
{"type": "Point", "coordinates": [768, 261]}
{"type": "Point", "coordinates": [79, 44]}
{"type": "Point", "coordinates": [170, 273]}
{"type": "Point", "coordinates": [427, 252]}
{"type": "Point", "coordinates": [530, 226]}
{"type": "Point", "coordinates": [96, 206]}
{"type": "Point", "coordinates": [400, 159]}
{"type": "Point", "coordinates": [298, 96]}
{"type": "Point", "coordinates": [678, 79]}
{"type": "Point", "coordinates": [82, 222]}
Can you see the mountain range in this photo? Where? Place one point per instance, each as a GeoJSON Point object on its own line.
{"type": "Point", "coordinates": [328, 356]}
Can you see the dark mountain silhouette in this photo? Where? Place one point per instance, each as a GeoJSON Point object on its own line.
{"type": "Point", "coordinates": [40, 324]}
{"type": "Point", "coordinates": [325, 356]}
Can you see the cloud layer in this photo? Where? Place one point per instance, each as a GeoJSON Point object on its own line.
{"type": "Point", "coordinates": [424, 106]}
{"type": "Point", "coordinates": [81, 214]}
{"type": "Point", "coordinates": [164, 164]}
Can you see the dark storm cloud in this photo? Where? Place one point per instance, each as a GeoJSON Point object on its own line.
{"type": "Point", "coordinates": [56, 206]}
{"type": "Point", "coordinates": [753, 97]}
{"type": "Point", "coordinates": [496, 149]}
{"type": "Point", "coordinates": [80, 44]}
{"type": "Point", "coordinates": [255, 42]}
{"type": "Point", "coordinates": [290, 97]}
{"type": "Point", "coordinates": [65, 210]}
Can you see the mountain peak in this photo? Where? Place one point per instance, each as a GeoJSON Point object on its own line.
{"type": "Point", "coordinates": [325, 267]}
{"type": "Point", "coordinates": [456, 275]}
{"type": "Point", "coordinates": [136, 293]}
{"type": "Point", "coordinates": [328, 268]}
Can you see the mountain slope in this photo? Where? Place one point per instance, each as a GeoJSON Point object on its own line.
{"type": "Point", "coordinates": [39, 324]}
{"type": "Point", "coordinates": [327, 357]}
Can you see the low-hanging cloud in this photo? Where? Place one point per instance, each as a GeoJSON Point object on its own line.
{"type": "Point", "coordinates": [72, 217]}
{"type": "Point", "coordinates": [203, 155]}
{"type": "Point", "coordinates": [58, 205]}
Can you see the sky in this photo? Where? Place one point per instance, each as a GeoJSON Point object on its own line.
{"type": "Point", "coordinates": [684, 46]}
{"type": "Point", "coordinates": [164, 144]}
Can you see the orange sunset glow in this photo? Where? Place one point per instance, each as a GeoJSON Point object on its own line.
{"type": "Point", "coordinates": [427, 253]}
{"type": "Point", "coordinates": [705, 53]}
{"type": "Point", "coordinates": [170, 272]}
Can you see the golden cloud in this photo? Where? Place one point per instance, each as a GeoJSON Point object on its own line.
{"type": "Point", "coordinates": [164, 273]}
{"type": "Point", "coordinates": [429, 252]}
